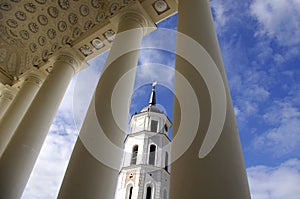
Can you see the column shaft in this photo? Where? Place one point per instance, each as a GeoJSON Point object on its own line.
{"type": "Point", "coordinates": [17, 109]}
{"type": "Point", "coordinates": [19, 157]}
{"type": "Point", "coordinates": [88, 175]}
{"type": "Point", "coordinates": [220, 174]}
{"type": "Point", "coordinates": [7, 94]}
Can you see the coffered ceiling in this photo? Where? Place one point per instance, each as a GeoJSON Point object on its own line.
{"type": "Point", "coordinates": [31, 31]}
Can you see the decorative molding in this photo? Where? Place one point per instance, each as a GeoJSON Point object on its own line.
{"type": "Point", "coordinates": [84, 10]}
{"type": "Point", "coordinates": [70, 57]}
{"type": "Point", "coordinates": [76, 32]}
{"type": "Point", "coordinates": [97, 43]}
{"type": "Point", "coordinates": [51, 33]}
{"type": "Point", "coordinates": [41, 1]}
{"type": "Point", "coordinates": [160, 6]}
{"type": "Point", "coordinates": [100, 16]}
{"type": "Point", "coordinates": [7, 92]}
{"type": "Point", "coordinates": [5, 6]}
{"type": "Point", "coordinates": [43, 20]}
{"type": "Point", "coordinates": [36, 61]}
{"type": "Point", "coordinates": [66, 40]}
{"type": "Point", "coordinates": [62, 26]}
{"type": "Point", "coordinates": [109, 35]}
{"type": "Point", "coordinates": [42, 40]}
{"type": "Point", "coordinates": [96, 3]}
{"type": "Point", "coordinates": [85, 50]}
{"type": "Point", "coordinates": [33, 47]}
{"type": "Point", "coordinates": [34, 76]}
{"type": "Point", "coordinates": [45, 54]}
{"type": "Point", "coordinates": [24, 34]}
{"type": "Point", "coordinates": [12, 23]}
{"type": "Point", "coordinates": [55, 47]}
{"type": "Point", "coordinates": [88, 25]}
{"type": "Point", "coordinates": [5, 78]}
{"type": "Point", "coordinates": [135, 16]}
{"type": "Point", "coordinates": [33, 27]}
{"type": "Point", "coordinates": [53, 12]}
{"type": "Point", "coordinates": [30, 7]}
{"type": "Point", "coordinates": [114, 7]}
{"type": "Point", "coordinates": [137, 13]}
{"type": "Point", "coordinates": [73, 18]}
{"type": "Point", "coordinates": [64, 4]}
{"type": "Point", "coordinates": [21, 15]}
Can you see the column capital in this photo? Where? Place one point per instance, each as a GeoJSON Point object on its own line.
{"type": "Point", "coordinates": [34, 76]}
{"type": "Point", "coordinates": [70, 57]}
{"type": "Point", "coordinates": [7, 92]}
{"type": "Point", "coordinates": [135, 13]}
{"type": "Point", "coordinates": [134, 16]}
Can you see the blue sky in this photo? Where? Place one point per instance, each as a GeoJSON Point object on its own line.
{"type": "Point", "coordinates": [260, 44]}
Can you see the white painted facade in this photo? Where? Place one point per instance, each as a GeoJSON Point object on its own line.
{"type": "Point", "coordinates": [146, 158]}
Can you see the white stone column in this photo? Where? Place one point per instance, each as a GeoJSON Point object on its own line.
{"type": "Point", "coordinates": [7, 94]}
{"type": "Point", "coordinates": [94, 165]}
{"type": "Point", "coordinates": [220, 173]}
{"type": "Point", "coordinates": [31, 82]}
{"type": "Point", "coordinates": [19, 157]}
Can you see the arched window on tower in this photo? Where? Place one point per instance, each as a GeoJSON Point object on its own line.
{"type": "Point", "coordinates": [129, 192]}
{"type": "Point", "coordinates": [152, 154]}
{"type": "Point", "coordinates": [165, 194]}
{"type": "Point", "coordinates": [134, 154]}
{"type": "Point", "coordinates": [167, 162]}
{"type": "Point", "coordinates": [149, 192]}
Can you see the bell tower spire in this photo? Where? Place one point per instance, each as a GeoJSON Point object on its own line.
{"type": "Point", "coordinates": [152, 100]}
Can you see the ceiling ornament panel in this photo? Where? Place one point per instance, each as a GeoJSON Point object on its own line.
{"type": "Point", "coordinates": [20, 15]}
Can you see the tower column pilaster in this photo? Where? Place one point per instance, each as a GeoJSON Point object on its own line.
{"type": "Point", "coordinates": [94, 165]}
{"type": "Point", "coordinates": [18, 159]}
{"type": "Point", "coordinates": [31, 82]}
{"type": "Point", "coordinates": [7, 94]}
{"type": "Point", "coordinates": [220, 171]}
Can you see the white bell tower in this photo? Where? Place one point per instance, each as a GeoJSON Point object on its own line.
{"type": "Point", "coordinates": [145, 172]}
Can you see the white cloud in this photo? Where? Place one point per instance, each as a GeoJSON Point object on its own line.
{"type": "Point", "coordinates": [281, 112]}
{"type": "Point", "coordinates": [149, 73]}
{"type": "Point", "coordinates": [50, 167]}
{"type": "Point", "coordinates": [278, 19]}
{"type": "Point", "coordinates": [236, 111]}
{"type": "Point", "coordinates": [221, 15]}
{"type": "Point", "coordinates": [284, 137]}
{"type": "Point", "coordinates": [52, 160]}
{"type": "Point", "coordinates": [48, 173]}
{"type": "Point", "coordinates": [250, 91]}
{"type": "Point", "coordinates": [258, 93]}
{"type": "Point", "coordinates": [279, 182]}
{"type": "Point", "coordinates": [49, 170]}
{"type": "Point", "coordinates": [162, 38]}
